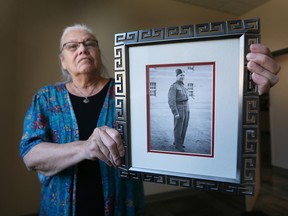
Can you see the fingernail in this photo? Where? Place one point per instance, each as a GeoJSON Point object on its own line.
{"type": "Point", "coordinates": [122, 153]}
{"type": "Point", "coordinates": [250, 56]}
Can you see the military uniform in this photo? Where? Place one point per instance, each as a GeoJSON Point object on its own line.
{"type": "Point", "coordinates": [178, 103]}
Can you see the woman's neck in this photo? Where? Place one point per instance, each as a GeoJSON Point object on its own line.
{"type": "Point", "coordinates": [86, 82]}
{"type": "Point", "coordinates": [86, 88]}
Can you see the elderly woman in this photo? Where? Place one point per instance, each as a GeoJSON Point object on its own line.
{"type": "Point", "coordinates": [69, 139]}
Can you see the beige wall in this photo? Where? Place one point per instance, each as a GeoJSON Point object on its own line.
{"type": "Point", "coordinates": [279, 117]}
{"type": "Point", "coordinates": [30, 30]}
{"type": "Point", "coordinates": [274, 33]}
{"type": "Point", "coordinates": [8, 153]}
{"type": "Point", "coordinates": [273, 15]}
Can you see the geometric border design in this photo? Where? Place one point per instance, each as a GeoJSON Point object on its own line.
{"type": "Point", "coordinates": [250, 116]}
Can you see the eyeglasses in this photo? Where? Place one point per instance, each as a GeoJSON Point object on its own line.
{"type": "Point", "coordinates": [73, 46]}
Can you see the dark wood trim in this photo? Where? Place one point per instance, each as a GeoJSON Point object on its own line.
{"type": "Point", "coordinates": [280, 171]}
{"type": "Point", "coordinates": [280, 52]}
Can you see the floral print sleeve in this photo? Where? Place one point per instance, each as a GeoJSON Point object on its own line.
{"type": "Point", "coordinates": [50, 118]}
{"type": "Point", "coordinates": [36, 124]}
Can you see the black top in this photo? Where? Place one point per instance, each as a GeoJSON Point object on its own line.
{"type": "Point", "coordinates": [89, 190]}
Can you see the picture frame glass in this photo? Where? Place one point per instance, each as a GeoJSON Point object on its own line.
{"type": "Point", "coordinates": [216, 96]}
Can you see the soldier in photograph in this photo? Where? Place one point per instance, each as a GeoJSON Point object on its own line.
{"type": "Point", "coordinates": [178, 103]}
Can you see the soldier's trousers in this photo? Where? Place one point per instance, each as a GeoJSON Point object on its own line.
{"type": "Point", "coordinates": [181, 124]}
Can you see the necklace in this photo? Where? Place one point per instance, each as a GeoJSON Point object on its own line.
{"type": "Point", "coordinates": [86, 99]}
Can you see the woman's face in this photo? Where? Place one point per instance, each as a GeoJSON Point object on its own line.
{"type": "Point", "coordinates": [80, 58]}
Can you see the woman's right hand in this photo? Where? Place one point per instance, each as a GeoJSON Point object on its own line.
{"type": "Point", "coordinates": [105, 144]}
{"type": "Point", "coordinates": [50, 158]}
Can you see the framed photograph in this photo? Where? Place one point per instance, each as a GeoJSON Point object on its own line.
{"type": "Point", "coordinates": [186, 105]}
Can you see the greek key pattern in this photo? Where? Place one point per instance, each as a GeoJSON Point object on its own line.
{"type": "Point", "coordinates": [250, 139]}
{"type": "Point", "coordinates": [119, 58]}
{"type": "Point", "coordinates": [129, 37]}
{"type": "Point", "coordinates": [251, 39]}
{"type": "Point", "coordinates": [250, 29]}
{"type": "Point", "coordinates": [182, 182]}
{"type": "Point", "coordinates": [243, 189]}
{"type": "Point", "coordinates": [217, 28]}
{"type": "Point", "coordinates": [235, 26]}
{"type": "Point", "coordinates": [250, 88]}
{"type": "Point", "coordinates": [251, 110]}
{"type": "Point", "coordinates": [120, 108]}
{"type": "Point", "coordinates": [249, 169]}
{"type": "Point", "coordinates": [120, 89]}
{"type": "Point", "coordinates": [179, 32]}
{"type": "Point", "coordinates": [189, 31]}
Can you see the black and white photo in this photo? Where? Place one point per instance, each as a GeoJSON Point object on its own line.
{"type": "Point", "coordinates": [181, 108]}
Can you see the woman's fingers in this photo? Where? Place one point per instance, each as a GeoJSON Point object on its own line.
{"type": "Point", "coordinates": [263, 67]}
{"type": "Point", "coordinates": [107, 145]}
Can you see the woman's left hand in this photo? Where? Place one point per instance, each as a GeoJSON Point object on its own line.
{"type": "Point", "coordinates": [263, 67]}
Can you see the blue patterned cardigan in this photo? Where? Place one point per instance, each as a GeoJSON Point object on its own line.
{"type": "Point", "coordinates": [50, 118]}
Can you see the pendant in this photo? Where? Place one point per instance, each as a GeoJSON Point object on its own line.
{"type": "Point", "coordinates": [86, 100]}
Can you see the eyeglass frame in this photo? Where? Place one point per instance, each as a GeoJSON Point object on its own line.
{"type": "Point", "coordinates": [81, 42]}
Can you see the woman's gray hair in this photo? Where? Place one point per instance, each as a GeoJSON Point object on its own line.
{"type": "Point", "coordinates": [65, 74]}
{"type": "Point", "coordinates": [74, 27]}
